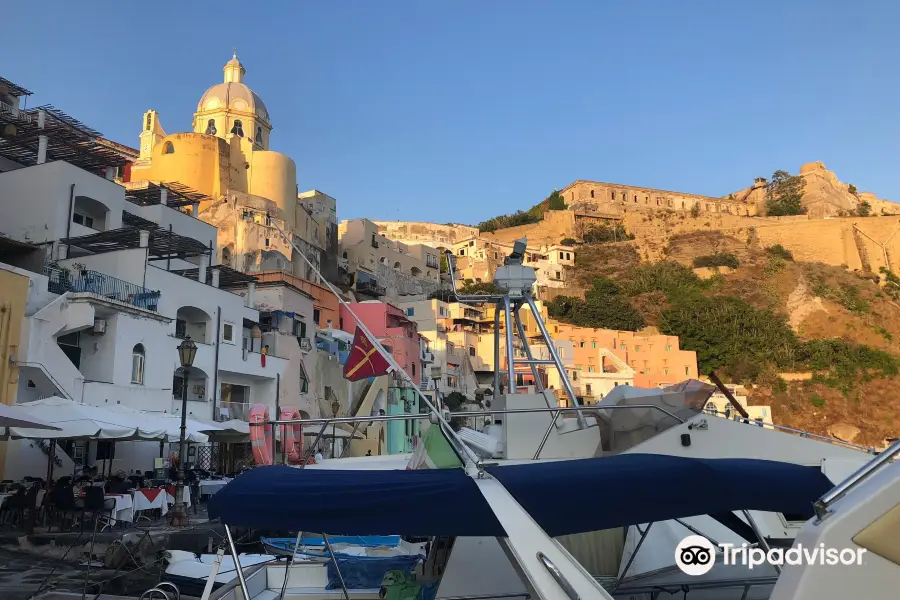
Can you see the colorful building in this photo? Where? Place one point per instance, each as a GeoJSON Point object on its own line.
{"type": "Point", "coordinates": [13, 299]}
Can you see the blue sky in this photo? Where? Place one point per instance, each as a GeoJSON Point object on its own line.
{"type": "Point", "coordinates": [458, 111]}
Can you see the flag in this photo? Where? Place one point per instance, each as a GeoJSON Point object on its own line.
{"type": "Point", "coordinates": [364, 360]}
{"type": "Point", "coordinates": [433, 452]}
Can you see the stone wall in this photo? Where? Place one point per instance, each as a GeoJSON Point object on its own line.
{"type": "Point", "coordinates": [403, 287]}
{"type": "Point", "coordinates": [435, 235]}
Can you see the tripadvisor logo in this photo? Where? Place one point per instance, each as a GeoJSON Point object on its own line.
{"type": "Point", "coordinates": [695, 555]}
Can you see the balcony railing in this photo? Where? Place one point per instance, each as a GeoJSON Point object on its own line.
{"type": "Point", "coordinates": [226, 411]}
{"type": "Point", "coordinates": [371, 288]}
{"type": "Point", "coordinates": [61, 280]}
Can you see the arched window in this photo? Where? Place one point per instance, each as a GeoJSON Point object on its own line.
{"type": "Point", "coordinates": [137, 364]}
{"type": "Point", "coordinates": [149, 118]}
{"type": "Point", "coordinates": [226, 256]}
{"type": "Point", "coordinates": [169, 148]}
{"type": "Point", "coordinates": [382, 259]}
{"type": "Point", "coordinates": [238, 128]}
{"type": "Point", "coordinates": [612, 195]}
{"type": "Point", "coordinates": [259, 139]}
{"type": "Point", "coordinates": [211, 127]}
{"type": "Point", "coordinates": [711, 408]}
{"type": "Point", "coordinates": [396, 265]}
{"type": "Point", "coordinates": [592, 193]}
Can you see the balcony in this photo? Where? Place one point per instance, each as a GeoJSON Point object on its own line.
{"type": "Point", "coordinates": [370, 287]}
{"type": "Point", "coordinates": [226, 411]}
{"type": "Point", "coordinates": [61, 280]}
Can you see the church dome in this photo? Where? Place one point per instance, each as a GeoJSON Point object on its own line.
{"type": "Point", "coordinates": [233, 93]}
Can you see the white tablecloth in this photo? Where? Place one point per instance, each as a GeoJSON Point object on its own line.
{"type": "Point", "coordinates": [141, 502]}
{"type": "Point", "coordinates": [124, 510]}
{"type": "Point", "coordinates": [187, 496]}
{"type": "Point", "coordinates": [208, 487]}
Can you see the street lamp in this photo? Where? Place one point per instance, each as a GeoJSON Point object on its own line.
{"type": "Point", "coordinates": [187, 350]}
{"type": "Point", "coordinates": [335, 407]}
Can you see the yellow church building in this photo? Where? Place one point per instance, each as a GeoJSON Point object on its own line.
{"type": "Point", "coordinates": [248, 187]}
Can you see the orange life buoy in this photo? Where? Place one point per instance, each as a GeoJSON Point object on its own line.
{"type": "Point", "coordinates": [261, 437]}
{"type": "Point", "coordinates": [292, 436]}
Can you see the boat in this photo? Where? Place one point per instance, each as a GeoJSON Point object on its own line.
{"type": "Point", "coordinates": [511, 508]}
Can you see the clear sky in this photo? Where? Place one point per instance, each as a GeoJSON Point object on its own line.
{"type": "Point", "coordinates": [458, 111]}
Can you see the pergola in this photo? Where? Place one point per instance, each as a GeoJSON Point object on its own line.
{"type": "Point", "coordinates": [67, 138]}
{"type": "Point", "coordinates": [163, 244]}
{"type": "Point", "coordinates": [149, 193]}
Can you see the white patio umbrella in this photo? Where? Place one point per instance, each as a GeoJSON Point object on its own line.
{"type": "Point", "coordinates": [83, 422]}
{"type": "Point", "coordinates": [171, 424]}
{"type": "Point", "coordinates": [14, 416]}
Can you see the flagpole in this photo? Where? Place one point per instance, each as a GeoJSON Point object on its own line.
{"type": "Point", "coordinates": [465, 454]}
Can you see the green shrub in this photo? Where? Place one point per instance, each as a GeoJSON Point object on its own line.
{"type": "Point", "coordinates": [780, 251]}
{"type": "Point", "coordinates": [817, 401]}
{"type": "Point", "coordinates": [719, 259]}
{"type": "Point", "coordinates": [568, 241]}
{"type": "Point", "coordinates": [603, 234]}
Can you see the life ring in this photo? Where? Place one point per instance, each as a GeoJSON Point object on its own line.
{"type": "Point", "coordinates": [261, 437]}
{"type": "Point", "coordinates": [292, 436]}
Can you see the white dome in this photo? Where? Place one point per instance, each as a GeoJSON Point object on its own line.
{"type": "Point", "coordinates": [233, 95]}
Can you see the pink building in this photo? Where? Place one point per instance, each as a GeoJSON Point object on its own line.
{"type": "Point", "coordinates": [394, 330]}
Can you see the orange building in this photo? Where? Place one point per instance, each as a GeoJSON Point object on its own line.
{"type": "Point", "coordinates": [326, 308]}
{"type": "Point", "coordinates": [655, 358]}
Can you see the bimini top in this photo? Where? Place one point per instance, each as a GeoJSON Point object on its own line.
{"type": "Point", "coordinates": [615, 491]}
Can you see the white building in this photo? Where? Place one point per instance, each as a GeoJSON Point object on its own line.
{"type": "Point", "coordinates": [126, 277]}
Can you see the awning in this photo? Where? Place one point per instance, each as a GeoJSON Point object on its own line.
{"type": "Point", "coordinates": [85, 422]}
{"type": "Point", "coordinates": [13, 416]}
{"type": "Point", "coordinates": [614, 491]}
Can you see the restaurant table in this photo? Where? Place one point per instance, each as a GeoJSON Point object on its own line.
{"type": "Point", "coordinates": [150, 499]}
{"type": "Point", "coordinates": [124, 509]}
{"type": "Point", "coordinates": [208, 487]}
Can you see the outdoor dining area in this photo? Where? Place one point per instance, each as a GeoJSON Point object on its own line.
{"type": "Point", "coordinates": [110, 493]}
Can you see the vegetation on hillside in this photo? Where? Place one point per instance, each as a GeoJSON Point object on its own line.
{"type": "Point", "coordinates": [719, 259]}
{"type": "Point", "coordinates": [468, 287]}
{"type": "Point", "coordinates": [533, 215]}
{"type": "Point", "coordinates": [780, 251]}
{"type": "Point", "coordinates": [746, 342]}
{"type": "Point", "coordinates": [603, 234]}
{"type": "Point", "coordinates": [784, 195]}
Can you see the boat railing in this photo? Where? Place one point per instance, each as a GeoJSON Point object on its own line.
{"type": "Point", "coordinates": [800, 432]}
{"type": "Point", "coordinates": [325, 422]}
{"type": "Point", "coordinates": [822, 504]}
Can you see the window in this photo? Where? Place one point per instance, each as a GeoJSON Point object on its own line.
{"type": "Point", "coordinates": [668, 347]}
{"type": "Point", "coordinates": [558, 275]}
{"type": "Point", "coordinates": [410, 312]}
{"type": "Point", "coordinates": [592, 193]}
{"type": "Point", "coordinates": [665, 371]}
{"type": "Point", "coordinates": [593, 344]}
{"type": "Point", "coordinates": [450, 347]}
{"type": "Point", "coordinates": [341, 323]}
{"type": "Point", "coordinates": [471, 351]}
{"type": "Point", "coordinates": [581, 344]}
{"type": "Point", "coordinates": [635, 198]}
{"type": "Point", "coordinates": [613, 195]}
{"type": "Point", "coordinates": [267, 242]}
{"type": "Point", "coordinates": [637, 348]}
{"type": "Point", "coordinates": [568, 256]}
{"type": "Point", "coordinates": [316, 316]}
{"type": "Point", "coordinates": [300, 329]}
{"type": "Point", "coordinates": [238, 128]}
{"type": "Point", "coordinates": [148, 122]}
{"type": "Point", "coordinates": [414, 369]}
{"type": "Point", "coordinates": [590, 369]}
{"type": "Point", "coordinates": [687, 370]}
{"type": "Point", "coordinates": [169, 148]}
{"type": "Point", "coordinates": [211, 127]}
{"type": "Point", "coordinates": [304, 378]}
{"type": "Point", "coordinates": [106, 450]}
{"type": "Point", "coordinates": [83, 220]}
{"type": "Point", "coordinates": [259, 139]}
{"type": "Point", "coordinates": [137, 364]}
{"type": "Point", "coordinates": [228, 332]}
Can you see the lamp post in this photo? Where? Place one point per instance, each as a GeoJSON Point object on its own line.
{"type": "Point", "coordinates": [335, 407]}
{"type": "Point", "coordinates": [187, 350]}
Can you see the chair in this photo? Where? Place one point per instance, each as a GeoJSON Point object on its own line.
{"type": "Point", "coordinates": [98, 506]}
{"type": "Point", "coordinates": [63, 503]}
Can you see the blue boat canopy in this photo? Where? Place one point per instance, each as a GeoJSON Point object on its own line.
{"type": "Point", "coordinates": [615, 491]}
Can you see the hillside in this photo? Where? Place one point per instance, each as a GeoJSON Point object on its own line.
{"type": "Point", "coordinates": [818, 343]}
